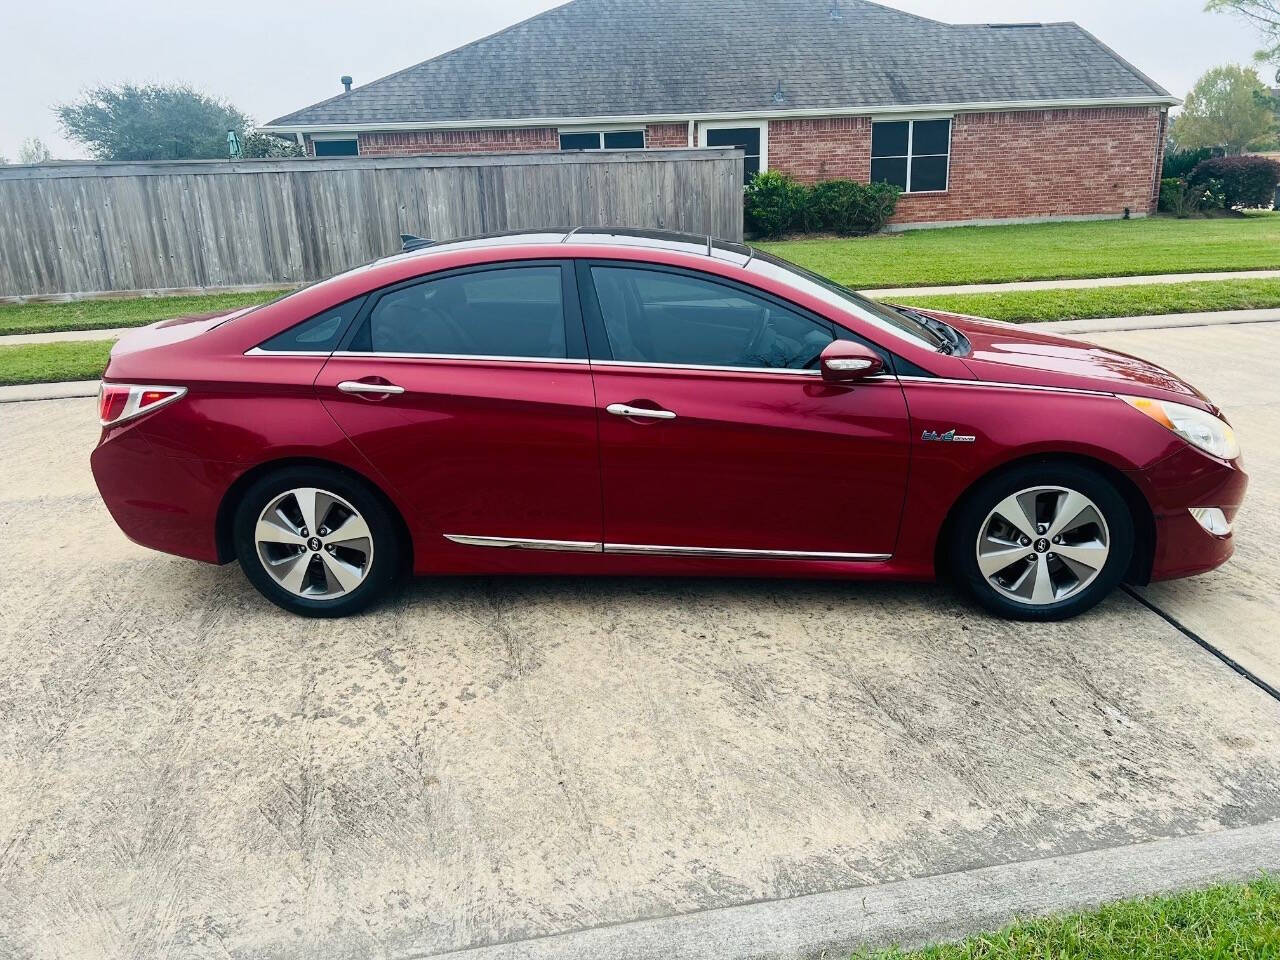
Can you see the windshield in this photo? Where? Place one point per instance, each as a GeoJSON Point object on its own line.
{"type": "Point", "coordinates": [901, 325]}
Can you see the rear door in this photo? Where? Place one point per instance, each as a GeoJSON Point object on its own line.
{"type": "Point", "coordinates": [718, 434]}
{"type": "Point", "coordinates": [470, 392]}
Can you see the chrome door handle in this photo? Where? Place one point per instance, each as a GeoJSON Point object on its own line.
{"type": "Point", "coordinates": [359, 386]}
{"type": "Point", "coordinates": [624, 410]}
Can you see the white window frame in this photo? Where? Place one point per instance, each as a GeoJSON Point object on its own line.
{"type": "Point", "coordinates": [318, 137]}
{"type": "Point", "coordinates": [600, 131]}
{"type": "Point", "coordinates": [762, 125]}
{"type": "Point", "coordinates": [911, 136]}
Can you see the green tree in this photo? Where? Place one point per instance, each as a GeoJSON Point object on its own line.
{"type": "Point", "coordinates": [259, 145]}
{"type": "Point", "coordinates": [34, 150]}
{"type": "Point", "coordinates": [1263, 14]}
{"type": "Point", "coordinates": [128, 122]}
{"type": "Point", "coordinates": [1229, 107]}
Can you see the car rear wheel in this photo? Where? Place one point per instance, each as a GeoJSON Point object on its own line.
{"type": "Point", "coordinates": [1042, 541]}
{"type": "Point", "coordinates": [316, 541]}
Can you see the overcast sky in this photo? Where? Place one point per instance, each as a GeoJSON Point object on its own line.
{"type": "Point", "coordinates": [270, 57]}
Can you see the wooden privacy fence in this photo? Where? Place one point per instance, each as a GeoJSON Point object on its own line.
{"type": "Point", "coordinates": [88, 228]}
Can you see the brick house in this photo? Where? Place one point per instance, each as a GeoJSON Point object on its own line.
{"type": "Point", "coordinates": [976, 122]}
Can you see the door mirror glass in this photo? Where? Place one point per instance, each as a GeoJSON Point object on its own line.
{"type": "Point", "coordinates": [844, 360]}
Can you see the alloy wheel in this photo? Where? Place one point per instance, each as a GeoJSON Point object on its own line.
{"type": "Point", "coordinates": [1043, 545]}
{"type": "Point", "coordinates": [314, 543]}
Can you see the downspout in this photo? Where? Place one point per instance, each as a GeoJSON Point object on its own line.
{"type": "Point", "coordinates": [692, 139]}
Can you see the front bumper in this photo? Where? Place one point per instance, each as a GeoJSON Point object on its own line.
{"type": "Point", "coordinates": [1189, 478]}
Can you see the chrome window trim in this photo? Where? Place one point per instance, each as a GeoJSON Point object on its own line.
{"type": "Point", "coordinates": [788, 371]}
{"type": "Point", "coordinates": [259, 352]}
{"type": "Point", "coordinates": [484, 358]}
{"type": "Point", "coordinates": [636, 549]}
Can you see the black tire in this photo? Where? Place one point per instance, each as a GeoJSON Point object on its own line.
{"type": "Point", "coordinates": [387, 554]}
{"type": "Point", "coordinates": [984, 498]}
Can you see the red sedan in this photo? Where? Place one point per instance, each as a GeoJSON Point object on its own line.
{"type": "Point", "coordinates": [627, 402]}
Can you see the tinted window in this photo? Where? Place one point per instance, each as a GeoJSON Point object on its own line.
{"type": "Point", "coordinates": [911, 154]}
{"type": "Point", "coordinates": [657, 317]}
{"type": "Point", "coordinates": [336, 148]}
{"type": "Point", "coordinates": [889, 139]}
{"type": "Point", "coordinates": [512, 312]}
{"type": "Point", "coordinates": [624, 140]}
{"type": "Point", "coordinates": [579, 141]}
{"type": "Point", "coordinates": [319, 334]}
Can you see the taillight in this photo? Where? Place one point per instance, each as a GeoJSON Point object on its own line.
{"type": "Point", "coordinates": [118, 402]}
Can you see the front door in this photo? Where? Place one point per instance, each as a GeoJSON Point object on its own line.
{"type": "Point", "coordinates": [718, 435]}
{"type": "Point", "coordinates": [470, 393]}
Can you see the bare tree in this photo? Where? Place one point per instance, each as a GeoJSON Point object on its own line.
{"type": "Point", "coordinates": [1263, 14]}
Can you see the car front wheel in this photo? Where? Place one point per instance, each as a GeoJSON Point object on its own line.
{"type": "Point", "coordinates": [1042, 541]}
{"type": "Point", "coordinates": [316, 542]}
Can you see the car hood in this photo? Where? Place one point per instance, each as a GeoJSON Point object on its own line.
{"type": "Point", "coordinates": [1011, 353]}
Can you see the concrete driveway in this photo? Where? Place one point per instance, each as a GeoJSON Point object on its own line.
{"type": "Point", "coordinates": [187, 772]}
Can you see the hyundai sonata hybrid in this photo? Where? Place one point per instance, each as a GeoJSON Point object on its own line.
{"type": "Point", "coordinates": [606, 401]}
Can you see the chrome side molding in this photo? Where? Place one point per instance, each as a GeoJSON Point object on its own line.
{"type": "Point", "coordinates": [586, 546]}
{"type": "Point", "coordinates": [518, 543]}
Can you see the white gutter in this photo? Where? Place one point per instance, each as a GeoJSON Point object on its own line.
{"type": "Point", "coordinates": [988, 106]}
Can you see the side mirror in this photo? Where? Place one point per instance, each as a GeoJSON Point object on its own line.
{"type": "Point", "coordinates": [845, 360]}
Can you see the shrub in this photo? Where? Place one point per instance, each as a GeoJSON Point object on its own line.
{"type": "Point", "coordinates": [1184, 199]}
{"type": "Point", "coordinates": [1179, 163]}
{"type": "Point", "coordinates": [774, 204]}
{"type": "Point", "coordinates": [847, 207]}
{"type": "Point", "coordinates": [1246, 182]}
{"type": "Point", "coordinates": [1170, 191]}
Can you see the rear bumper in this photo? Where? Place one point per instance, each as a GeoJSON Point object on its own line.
{"type": "Point", "coordinates": [160, 502]}
{"type": "Point", "coordinates": [1183, 548]}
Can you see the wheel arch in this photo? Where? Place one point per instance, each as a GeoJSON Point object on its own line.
{"type": "Point", "coordinates": [1144, 524]}
{"type": "Point", "coordinates": [223, 529]}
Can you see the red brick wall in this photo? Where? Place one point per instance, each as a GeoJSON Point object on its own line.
{"type": "Point", "coordinates": [832, 148]}
{"type": "Point", "coordinates": [658, 135]}
{"type": "Point", "coordinates": [1040, 163]}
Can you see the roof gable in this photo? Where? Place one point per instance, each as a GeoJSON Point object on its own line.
{"type": "Point", "coordinates": [637, 58]}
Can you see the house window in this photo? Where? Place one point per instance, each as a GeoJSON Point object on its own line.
{"type": "Point", "coordinates": [911, 154]}
{"type": "Point", "coordinates": [748, 138]}
{"type": "Point", "coordinates": [603, 140]}
{"type": "Point", "coordinates": [344, 147]}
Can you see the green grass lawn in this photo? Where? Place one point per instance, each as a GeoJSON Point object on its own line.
{"type": "Point", "coordinates": [1043, 251]}
{"type": "Point", "coordinates": [1231, 922]}
{"type": "Point", "coordinates": [54, 362]}
{"type": "Point", "coordinates": [106, 314]}
{"type": "Point", "coordinates": [1136, 301]}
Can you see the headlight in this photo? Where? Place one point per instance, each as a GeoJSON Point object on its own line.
{"type": "Point", "coordinates": [1198, 428]}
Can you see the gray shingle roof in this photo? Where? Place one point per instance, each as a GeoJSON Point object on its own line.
{"type": "Point", "coordinates": [632, 58]}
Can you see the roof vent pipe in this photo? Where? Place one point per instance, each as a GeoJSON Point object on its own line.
{"type": "Point", "coordinates": [778, 95]}
{"type": "Point", "coordinates": [346, 84]}
{"type": "Point", "coordinates": [834, 11]}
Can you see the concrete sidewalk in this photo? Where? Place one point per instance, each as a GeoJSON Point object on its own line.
{"type": "Point", "coordinates": [1081, 284]}
{"type": "Point", "coordinates": [61, 336]}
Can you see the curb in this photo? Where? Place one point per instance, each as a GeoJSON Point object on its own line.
{"type": "Point", "coordinates": [912, 913]}
{"type": "Point", "coordinates": [1086, 283]}
{"type": "Point", "coordinates": [1164, 321]}
{"type": "Point", "coordinates": [22, 392]}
